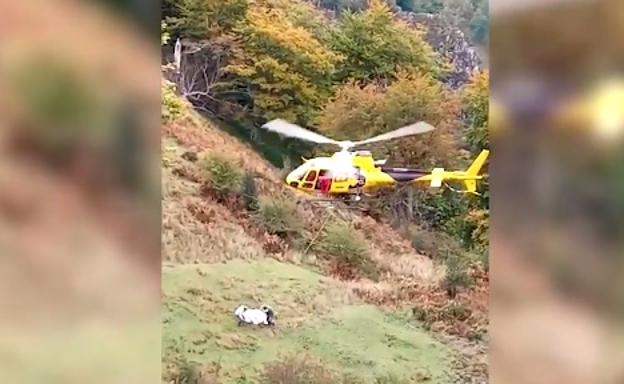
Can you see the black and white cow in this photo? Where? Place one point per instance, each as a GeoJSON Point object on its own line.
{"type": "Point", "coordinates": [262, 316]}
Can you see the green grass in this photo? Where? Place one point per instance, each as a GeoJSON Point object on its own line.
{"type": "Point", "coordinates": [199, 301]}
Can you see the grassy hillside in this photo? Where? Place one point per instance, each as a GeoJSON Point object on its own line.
{"type": "Point", "coordinates": [217, 255]}
{"type": "Point", "coordinates": [316, 316]}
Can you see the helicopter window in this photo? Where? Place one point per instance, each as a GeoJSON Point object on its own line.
{"type": "Point", "coordinates": [322, 173]}
{"type": "Point", "coordinates": [311, 176]}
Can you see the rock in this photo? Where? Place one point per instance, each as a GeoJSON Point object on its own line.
{"type": "Point", "coordinates": [450, 42]}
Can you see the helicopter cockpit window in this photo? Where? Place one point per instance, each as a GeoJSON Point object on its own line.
{"type": "Point", "coordinates": [300, 171]}
{"type": "Point", "coordinates": [311, 176]}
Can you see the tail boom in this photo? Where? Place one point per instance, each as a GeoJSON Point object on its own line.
{"type": "Point", "coordinates": [468, 177]}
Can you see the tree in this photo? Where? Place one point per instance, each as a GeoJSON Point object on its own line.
{"type": "Point", "coordinates": [376, 47]}
{"type": "Point", "coordinates": [475, 105]}
{"type": "Point", "coordinates": [480, 23]}
{"type": "Point", "coordinates": [303, 14]}
{"type": "Point", "coordinates": [359, 112]}
{"type": "Point", "coordinates": [203, 19]}
{"type": "Point", "coordinates": [476, 101]}
{"type": "Point", "coordinates": [284, 68]}
{"type": "Point", "coordinates": [421, 6]}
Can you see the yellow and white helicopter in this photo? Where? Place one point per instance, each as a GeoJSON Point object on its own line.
{"type": "Point", "coordinates": [350, 174]}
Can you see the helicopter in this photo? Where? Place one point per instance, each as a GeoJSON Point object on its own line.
{"type": "Point", "coordinates": [349, 174]}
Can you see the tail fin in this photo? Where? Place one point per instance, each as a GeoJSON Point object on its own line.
{"type": "Point", "coordinates": [473, 170]}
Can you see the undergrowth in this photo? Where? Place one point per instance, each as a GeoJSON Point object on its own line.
{"type": "Point", "coordinates": [171, 108]}
{"type": "Point", "coordinates": [340, 242]}
{"type": "Point", "coordinates": [301, 369]}
{"type": "Point", "coordinates": [457, 271]}
{"type": "Point", "coordinates": [249, 192]}
{"type": "Point", "coordinates": [222, 174]}
{"type": "Point", "coordinates": [180, 370]}
{"type": "Point", "coordinates": [278, 216]}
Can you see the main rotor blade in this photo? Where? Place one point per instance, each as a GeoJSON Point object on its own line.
{"type": "Point", "coordinates": [292, 130]}
{"type": "Point", "coordinates": [409, 130]}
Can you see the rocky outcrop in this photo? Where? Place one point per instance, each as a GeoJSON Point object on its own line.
{"type": "Point", "coordinates": [450, 42]}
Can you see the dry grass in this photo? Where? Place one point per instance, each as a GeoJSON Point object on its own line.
{"type": "Point", "coordinates": [199, 134]}
{"type": "Point", "coordinates": [196, 229]}
{"type": "Point", "coordinates": [395, 255]}
{"type": "Point", "coordinates": [301, 369]}
{"type": "Point", "coordinates": [410, 266]}
{"type": "Point", "coordinates": [432, 305]}
{"type": "Point", "coordinates": [382, 236]}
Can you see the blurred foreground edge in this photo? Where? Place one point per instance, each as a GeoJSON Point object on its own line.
{"type": "Point", "coordinates": [79, 196]}
{"type": "Point", "coordinates": [558, 217]}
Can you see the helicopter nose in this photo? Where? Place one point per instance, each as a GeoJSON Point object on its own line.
{"type": "Point", "coordinates": [291, 180]}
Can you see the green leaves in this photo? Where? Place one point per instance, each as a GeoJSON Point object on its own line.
{"type": "Point", "coordinates": [375, 46]}
{"type": "Point", "coordinates": [476, 101]}
{"type": "Point", "coordinates": [203, 19]}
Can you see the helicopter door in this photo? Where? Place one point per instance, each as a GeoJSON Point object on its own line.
{"type": "Point", "coordinates": [309, 181]}
{"type": "Point", "coordinates": [324, 181]}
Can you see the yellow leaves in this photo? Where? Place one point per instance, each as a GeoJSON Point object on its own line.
{"type": "Point", "coordinates": [479, 220]}
{"type": "Point", "coordinates": [240, 70]}
{"type": "Point", "coordinates": [164, 35]}
{"type": "Point", "coordinates": [478, 85]}
{"type": "Point", "coordinates": [270, 28]}
{"type": "Point", "coordinates": [289, 71]}
{"type": "Point", "coordinates": [379, 11]}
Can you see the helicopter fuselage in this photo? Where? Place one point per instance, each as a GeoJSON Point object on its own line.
{"type": "Point", "coordinates": [347, 173]}
{"type": "Point", "coordinates": [343, 176]}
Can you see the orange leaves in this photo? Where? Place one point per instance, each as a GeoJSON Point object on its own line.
{"type": "Point", "coordinates": [358, 112]}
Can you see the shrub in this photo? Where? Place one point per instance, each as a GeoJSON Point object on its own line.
{"type": "Point", "coordinates": [296, 370]}
{"type": "Point", "coordinates": [471, 229]}
{"type": "Point", "coordinates": [171, 107]}
{"type": "Point", "coordinates": [480, 226]}
{"type": "Point", "coordinates": [339, 240]}
{"type": "Point", "coordinates": [458, 312]}
{"type": "Point", "coordinates": [457, 272]}
{"type": "Point", "coordinates": [179, 370]}
{"type": "Point", "coordinates": [433, 244]}
{"type": "Point", "coordinates": [278, 216]}
{"type": "Point", "coordinates": [222, 174]}
{"type": "Point", "coordinates": [249, 192]}
{"type": "Point", "coordinates": [302, 370]}
{"type": "Point", "coordinates": [437, 209]}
